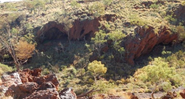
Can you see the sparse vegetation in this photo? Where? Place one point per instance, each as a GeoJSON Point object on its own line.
{"type": "Point", "coordinates": [95, 58]}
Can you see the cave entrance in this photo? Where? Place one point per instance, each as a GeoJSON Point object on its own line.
{"type": "Point", "coordinates": [88, 36]}
{"type": "Point", "coordinates": [52, 39]}
{"type": "Point", "coordinates": [157, 51]}
{"type": "Point", "coordinates": [55, 34]}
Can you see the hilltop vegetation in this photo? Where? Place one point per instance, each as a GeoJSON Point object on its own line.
{"type": "Point", "coordinates": [96, 58]}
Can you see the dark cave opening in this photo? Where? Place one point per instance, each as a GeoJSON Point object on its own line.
{"type": "Point", "coordinates": [155, 52]}
{"type": "Point", "coordinates": [82, 31]}
{"type": "Point", "coordinates": [51, 39]}
{"type": "Point", "coordinates": [55, 34]}
{"type": "Point", "coordinates": [88, 35]}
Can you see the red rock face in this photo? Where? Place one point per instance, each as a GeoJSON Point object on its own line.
{"type": "Point", "coordinates": [44, 94]}
{"type": "Point", "coordinates": [144, 41]}
{"type": "Point", "coordinates": [29, 84]}
{"type": "Point", "coordinates": [183, 94]}
{"type": "Point", "coordinates": [28, 75]}
{"type": "Point", "coordinates": [170, 95]}
{"type": "Point", "coordinates": [28, 87]}
{"type": "Point", "coordinates": [79, 30]}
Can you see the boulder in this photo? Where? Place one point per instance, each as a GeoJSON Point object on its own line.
{"type": "Point", "coordinates": [28, 87]}
{"type": "Point", "coordinates": [170, 95]}
{"type": "Point", "coordinates": [52, 78]}
{"type": "Point", "coordinates": [28, 75]}
{"type": "Point", "coordinates": [29, 84]}
{"type": "Point", "coordinates": [46, 85]}
{"type": "Point", "coordinates": [67, 93]}
{"type": "Point", "coordinates": [132, 96]}
{"type": "Point", "coordinates": [10, 81]}
{"type": "Point", "coordinates": [44, 94]}
{"type": "Point", "coordinates": [183, 94]}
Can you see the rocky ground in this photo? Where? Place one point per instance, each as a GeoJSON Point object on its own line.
{"type": "Point", "coordinates": [30, 84]}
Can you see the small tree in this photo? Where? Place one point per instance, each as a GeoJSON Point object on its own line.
{"type": "Point", "coordinates": [24, 51]}
{"type": "Point", "coordinates": [99, 40]}
{"type": "Point", "coordinates": [97, 69]}
{"type": "Point", "coordinates": [117, 37]}
{"type": "Point", "coordinates": [10, 39]}
{"type": "Point", "coordinates": [67, 22]}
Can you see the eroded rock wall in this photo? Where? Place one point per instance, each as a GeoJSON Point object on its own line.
{"type": "Point", "coordinates": [145, 40]}
{"type": "Point", "coordinates": [79, 30]}
{"type": "Point", "coordinates": [142, 43]}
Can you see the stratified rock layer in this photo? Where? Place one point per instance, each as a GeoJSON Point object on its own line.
{"type": "Point", "coordinates": [145, 40]}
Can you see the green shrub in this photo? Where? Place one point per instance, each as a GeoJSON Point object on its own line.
{"type": "Point", "coordinates": [159, 70]}
{"type": "Point", "coordinates": [97, 69]}
{"type": "Point", "coordinates": [181, 32]}
{"type": "Point", "coordinates": [98, 41]}
{"type": "Point", "coordinates": [136, 20]}
{"type": "Point", "coordinates": [155, 6]}
{"type": "Point", "coordinates": [45, 71]}
{"type": "Point", "coordinates": [107, 2]}
{"type": "Point", "coordinates": [75, 4]}
{"type": "Point", "coordinates": [171, 19]}
{"type": "Point", "coordinates": [176, 60]}
{"type": "Point", "coordinates": [165, 86]}
{"type": "Point", "coordinates": [176, 80]}
{"type": "Point", "coordinates": [97, 9]}
{"type": "Point", "coordinates": [156, 73]}
{"type": "Point", "coordinates": [117, 37]}
{"type": "Point", "coordinates": [4, 68]}
{"type": "Point", "coordinates": [102, 86]}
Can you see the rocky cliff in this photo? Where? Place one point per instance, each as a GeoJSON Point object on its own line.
{"type": "Point", "coordinates": [145, 40]}
{"type": "Point", "coordinates": [79, 30]}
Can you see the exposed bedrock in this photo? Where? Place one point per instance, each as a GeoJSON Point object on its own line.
{"type": "Point", "coordinates": [29, 84]}
{"type": "Point", "coordinates": [80, 29]}
{"type": "Point", "coordinates": [142, 43]}
{"type": "Point", "coordinates": [145, 40]}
